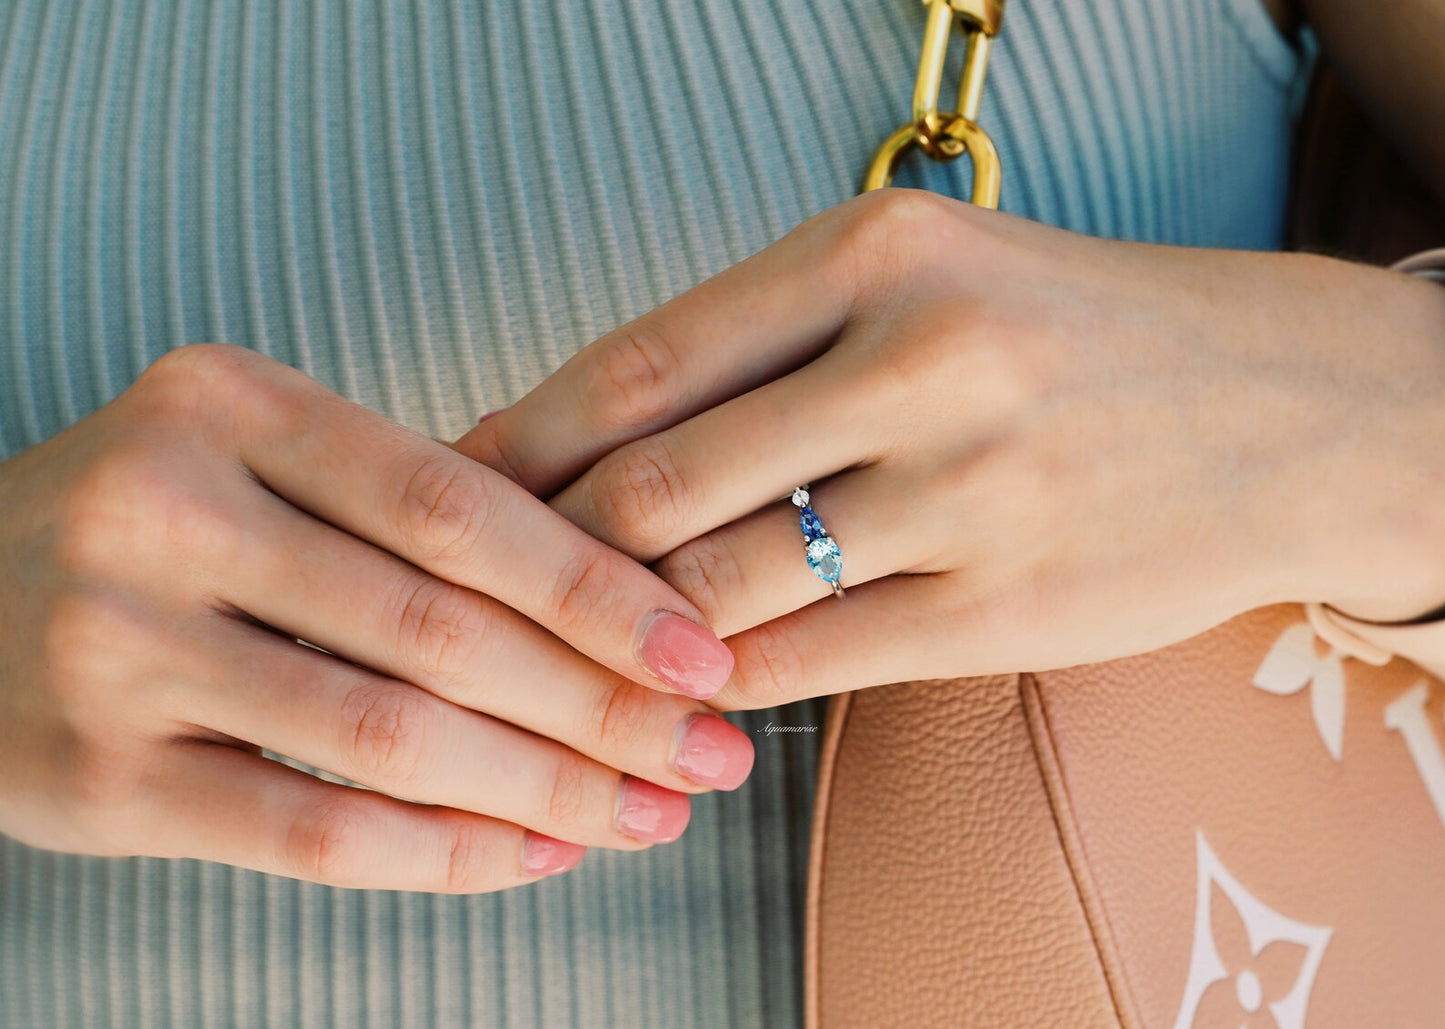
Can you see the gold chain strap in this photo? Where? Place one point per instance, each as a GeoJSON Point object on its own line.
{"type": "Point", "coordinates": [947, 135]}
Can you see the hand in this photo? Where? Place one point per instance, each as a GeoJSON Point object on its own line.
{"type": "Point", "coordinates": [1035, 449]}
{"type": "Point", "coordinates": [159, 560]}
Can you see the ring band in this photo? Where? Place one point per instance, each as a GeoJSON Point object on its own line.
{"type": "Point", "coordinates": [821, 550]}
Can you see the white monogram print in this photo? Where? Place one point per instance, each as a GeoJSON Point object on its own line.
{"type": "Point", "coordinates": [1248, 961]}
{"type": "Point", "coordinates": [1406, 715]}
{"type": "Point", "coordinates": [1247, 958]}
{"type": "Point", "coordinates": [1292, 664]}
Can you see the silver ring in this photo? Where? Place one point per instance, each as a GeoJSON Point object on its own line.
{"type": "Point", "coordinates": [821, 550]}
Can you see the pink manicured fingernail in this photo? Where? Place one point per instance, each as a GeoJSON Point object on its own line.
{"type": "Point", "coordinates": [543, 855]}
{"type": "Point", "coordinates": [490, 414]}
{"type": "Point", "coordinates": [685, 655]}
{"type": "Point", "coordinates": [651, 813]}
{"type": "Point", "coordinates": [714, 753]}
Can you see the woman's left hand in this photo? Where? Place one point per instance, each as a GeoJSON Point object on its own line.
{"type": "Point", "coordinates": [1035, 449]}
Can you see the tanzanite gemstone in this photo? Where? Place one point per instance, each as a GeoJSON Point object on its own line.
{"type": "Point", "coordinates": [825, 559]}
{"type": "Point", "coordinates": [812, 525]}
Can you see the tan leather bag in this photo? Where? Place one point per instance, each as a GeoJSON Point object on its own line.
{"type": "Point", "coordinates": [1244, 829]}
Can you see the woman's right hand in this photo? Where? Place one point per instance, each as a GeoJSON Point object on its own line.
{"type": "Point", "coordinates": [481, 667]}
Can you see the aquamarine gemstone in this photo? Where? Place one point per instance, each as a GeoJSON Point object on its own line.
{"type": "Point", "coordinates": [812, 525]}
{"type": "Point", "coordinates": [825, 559]}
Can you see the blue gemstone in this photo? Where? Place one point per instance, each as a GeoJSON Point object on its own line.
{"type": "Point", "coordinates": [812, 524]}
{"type": "Point", "coordinates": [825, 559]}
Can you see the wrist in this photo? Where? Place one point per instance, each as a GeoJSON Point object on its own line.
{"type": "Point", "coordinates": [1386, 560]}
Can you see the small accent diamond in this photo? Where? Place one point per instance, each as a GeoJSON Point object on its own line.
{"type": "Point", "coordinates": [800, 497]}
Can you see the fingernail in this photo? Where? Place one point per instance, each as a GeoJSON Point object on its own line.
{"type": "Point", "coordinates": [685, 655]}
{"type": "Point", "coordinates": [713, 752]}
{"type": "Point", "coordinates": [490, 414]}
{"type": "Point", "coordinates": [651, 813]}
{"type": "Point", "coordinates": [543, 855]}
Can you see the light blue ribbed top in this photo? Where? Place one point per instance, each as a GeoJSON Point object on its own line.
{"type": "Point", "coordinates": [428, 206]}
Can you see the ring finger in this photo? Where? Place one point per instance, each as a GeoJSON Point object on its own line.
{"type": "Point", "coordinates": [755, 569]}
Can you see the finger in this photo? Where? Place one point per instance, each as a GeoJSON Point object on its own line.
{"type": "Point", "coordinates": [241, 809]}
{"type": "Point", "coordinates": [755, 569]}
{"type": "Point", "coordinates": [372, 608]}
{"type": "Point", "coordinates": [467, 524]}
{"type": "Point", "coordinates": [654, 494]}
{"type": "Point", "coordinates": [412, 745]}
{"type": "Point", "coordinates": [748, 325]}
{"type": "Point", "coordinates": [870, 637]}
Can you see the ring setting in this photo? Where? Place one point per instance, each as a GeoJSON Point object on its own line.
{"type": "Point", "coordinates": [824, 556]}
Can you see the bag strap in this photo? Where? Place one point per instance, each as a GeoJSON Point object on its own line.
{"type": "Point", "coordinates": [948, 135]}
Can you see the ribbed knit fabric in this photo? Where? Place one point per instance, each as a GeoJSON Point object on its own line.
{"type": "Point", "coordinates": [428, 206]}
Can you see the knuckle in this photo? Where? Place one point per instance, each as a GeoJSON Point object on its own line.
{"type": "Point", "coordinates": [190, 380]}
{"type": "Point", "coordinates": [896, 213]}
{"type": "Point", "coordinates": [633, 377]}
{"type": "Point", "coordinates": [621, 715]}
{"type": "Point", "coordinates": [446, 507]}
{"type": "Point", "coordinates": [639, 495]}
{"type": "Point", "coordinates": [102, 787]}
{"type": "Point", "coordinates": [385, 732]}
{"type": "Point", "coordinates": [190, 521]}
{"type": "Point", "coordinates": [184, 365]}
{"type": "Point", "coordinates": [111, 500]}
{"type": "Point", "coordinates": [888, 229]}
{"type": "Point", "coordinates": [323, 840]}
{"type": "Point", "coordinates": [132, 498]}
{"type": "Point", "coordinates": [1002, 371]}
{"type": "Point", "coordinates": [89, 521]}
{"type": "Point", "coordinates": [470, 861]}
{"type": "Point", "coordinates": [440, 628]}
{"type": "Point", "coordinates": [769, 668]}
{"type": "Point", "coordinates": [586, 585]}
{"type": "Point", "coordinates": [569, 779]}
{"type": "Point", "coordinates": [70, 642]}
{"type": "Point", "coordinates": [90, 647]}
{"type": "Point", "coordinates": [704, 571]}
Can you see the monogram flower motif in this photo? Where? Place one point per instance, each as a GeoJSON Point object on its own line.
{"type": "Point", "coordinates": [1292, 664]}
{"type": "Point", "coordinates": [1250, 965]}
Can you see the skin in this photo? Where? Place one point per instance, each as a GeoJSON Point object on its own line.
{"type": "Point", "coordinates": [158, 560]}
{"type": "Point", "coordinates": [1052, 450]}
{"type": "Point", "coordinates": [1036, 449]}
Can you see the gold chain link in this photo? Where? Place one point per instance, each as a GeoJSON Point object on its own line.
{"type": "Point", "coordinates": [947, 135]}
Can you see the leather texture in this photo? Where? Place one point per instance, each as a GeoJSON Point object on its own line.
{"type": "Point", "coordinates": [943, 896]}
{"type": "Point", "coordinates": [1236, 830]}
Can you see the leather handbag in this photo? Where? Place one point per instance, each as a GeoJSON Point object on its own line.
{"type": "Point", "coordinates": [1244, 829]}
